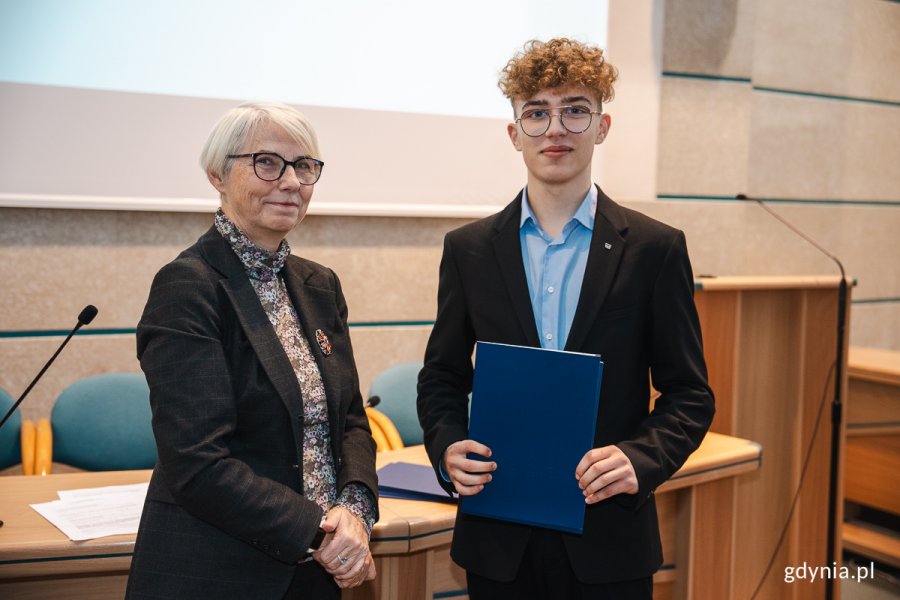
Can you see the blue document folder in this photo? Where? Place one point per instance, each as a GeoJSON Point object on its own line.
{"type": "Point", "coordinates": [411, 482]}
{"type": "Point", "coordinates": [536, 410]}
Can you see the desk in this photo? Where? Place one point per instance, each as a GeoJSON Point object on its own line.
{"type": "Point", "coordinates": [873, 451]}
{"type": "Point", "coordinates": [410, 541]}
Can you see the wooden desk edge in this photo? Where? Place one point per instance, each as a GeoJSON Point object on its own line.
{"type": "Point", "coordinates": [719, 456]}
{"type": "Point", "coordinates": [874, 364]}
{"type": "Point", "coordinates": [753, 283]}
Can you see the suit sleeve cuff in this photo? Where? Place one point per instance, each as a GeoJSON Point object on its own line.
{"type": "Point", "coordinates": [442, 472]}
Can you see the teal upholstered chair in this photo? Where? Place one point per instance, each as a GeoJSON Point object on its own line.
{"type": "Point", "coordinates": [396, 387]}
{"type": "Point", "coordinates": [102, 423]}
{"type": "Point", "coordinates": [10, 445]}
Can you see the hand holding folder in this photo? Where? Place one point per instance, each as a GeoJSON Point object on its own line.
{"type": "Point", "coordinates": [605, 472]}
{"type": "Point", "coordinates": [467, 463]}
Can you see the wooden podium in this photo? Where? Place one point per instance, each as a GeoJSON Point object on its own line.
{"type": "Point", "coordinates": [770, 345]}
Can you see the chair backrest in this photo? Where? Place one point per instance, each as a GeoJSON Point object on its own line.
{"type": "Point", "coordinates": [10, 446]}
{"type": "Point", "coordinates": [396, 386]}
{"type": "Point", "coordinates": [102, 423]}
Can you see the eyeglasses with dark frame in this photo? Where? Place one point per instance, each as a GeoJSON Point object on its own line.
{"type": "Point", "coordinates": [270, 166]}
{"type": "Point", "coordinates": [576, 119]}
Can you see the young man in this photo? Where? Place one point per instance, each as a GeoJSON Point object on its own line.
{"type": "Point", "coordinates": [565, 267]}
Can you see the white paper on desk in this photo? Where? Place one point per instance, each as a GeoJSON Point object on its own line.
{"type": "Point", "coordinates": [93, 516]}
{"type": "Point", "coordinates": [133, 488]}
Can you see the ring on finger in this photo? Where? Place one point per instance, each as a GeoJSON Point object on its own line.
{"type": "Point", "coordinates": [342, 560]}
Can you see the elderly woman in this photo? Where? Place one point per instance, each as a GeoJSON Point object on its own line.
{"type": "Point", "coordinates": [265, 485]}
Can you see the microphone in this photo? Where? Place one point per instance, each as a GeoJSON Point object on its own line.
{"type": "Point", "coordinates": [86, 315]}
{"type": "Point", "coordinates": [836, 404]}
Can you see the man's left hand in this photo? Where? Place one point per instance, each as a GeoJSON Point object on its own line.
{"type": "Point", "coordinates": [605, 472]}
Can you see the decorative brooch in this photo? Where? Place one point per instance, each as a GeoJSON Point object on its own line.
{"type": "Point", "coordinates": [324, 342]}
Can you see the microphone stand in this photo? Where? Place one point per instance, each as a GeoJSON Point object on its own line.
{"type": "Point", "coordinates": [35, 380]}
{"type": "Point", "coordinates": [836, 403]}
{"type": "Point", "coordinates": [86, 315]}
{"type": "Point", "coordinates": [836, 419]}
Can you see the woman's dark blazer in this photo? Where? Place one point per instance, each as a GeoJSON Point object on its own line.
{"type": "Point", "coordinates": [636, 310]}
{"type": "Point", "coordinates": [225, 515]}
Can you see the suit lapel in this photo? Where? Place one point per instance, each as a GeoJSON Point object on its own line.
{"type": "Point", "coordinates": [508, 250]}
{"type": "Point", "coordinates": [316, 310]}
{"type": "Point", "coordinates": [607, 247]}
{"type": "Point", "coordinates": [254, 322]}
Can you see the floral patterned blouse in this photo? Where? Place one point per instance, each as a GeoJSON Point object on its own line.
{"type": "Point", "coordinates": [319, 477]}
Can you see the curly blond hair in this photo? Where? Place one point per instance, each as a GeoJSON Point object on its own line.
{"type": "Point", "coordinates": [560, 62]}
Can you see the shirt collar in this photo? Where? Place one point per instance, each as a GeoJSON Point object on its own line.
{"type": "Point", "coordinates": [585, 214]}
{"type": "Point", "coordinates": [258, 263]}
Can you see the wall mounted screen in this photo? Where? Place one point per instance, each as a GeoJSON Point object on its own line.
{"type": "Point", "coordinates": [403, 83]}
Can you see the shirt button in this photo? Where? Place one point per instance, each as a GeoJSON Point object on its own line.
{"type": "Point", "coordinates": [549, 336]}
{"type": "Point", "coordinates": [551, 289]}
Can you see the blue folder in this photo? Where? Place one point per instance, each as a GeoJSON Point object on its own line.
{"type": "Point", "coordinates": [536, 410]}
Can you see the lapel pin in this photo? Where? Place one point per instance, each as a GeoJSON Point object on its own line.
{"type": "Point", "coordinates": [324, 342]}
{"type": "Point", "coordinates": [608, 246]}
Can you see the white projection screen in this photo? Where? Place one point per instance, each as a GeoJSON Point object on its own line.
{"type": "Point", "coordinates": [106, 104]}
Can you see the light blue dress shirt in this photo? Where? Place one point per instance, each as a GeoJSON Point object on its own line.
{"type": "Point", "coordinates": [555, 267]}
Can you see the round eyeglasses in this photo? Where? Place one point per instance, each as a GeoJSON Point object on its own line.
{"type": "Point", "coordinates": [576, 119]}
{"type": "Point", "coordinates": [269, 166]}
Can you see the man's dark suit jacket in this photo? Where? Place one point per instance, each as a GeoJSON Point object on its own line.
{"type": "Point", "coordinates": [636, 309]}
{"type": "Point", "coordinates": [225, 515]}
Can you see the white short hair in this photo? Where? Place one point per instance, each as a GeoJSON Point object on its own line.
{"type": "Point", "coordinates": [232, 131]}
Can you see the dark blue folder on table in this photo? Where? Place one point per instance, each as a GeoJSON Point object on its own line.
{"type": "Point", "coordinates": [411, 482]}
{"type": "Point", "coordinates": [536, 410]}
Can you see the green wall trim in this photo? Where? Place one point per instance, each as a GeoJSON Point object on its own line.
{"type": "Point", "coordinates": [831, 201]}
{"type": "Point", "coordinates": [840, 98]}
{"type": "Point", "coordinates": [62, 333]}
{"type": "Point", "coordinates": [704, 198]}
{"type": "Point", "coordinates": [698, 285]}
{"type": "Point", "coordinates": [876, 301]}
{"type": "Point", "coordinates": [775, 90]}
{"type": "Point", "coordinates": [678, 75]}
{"type": "Point", "coordinates": [392, 324]}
